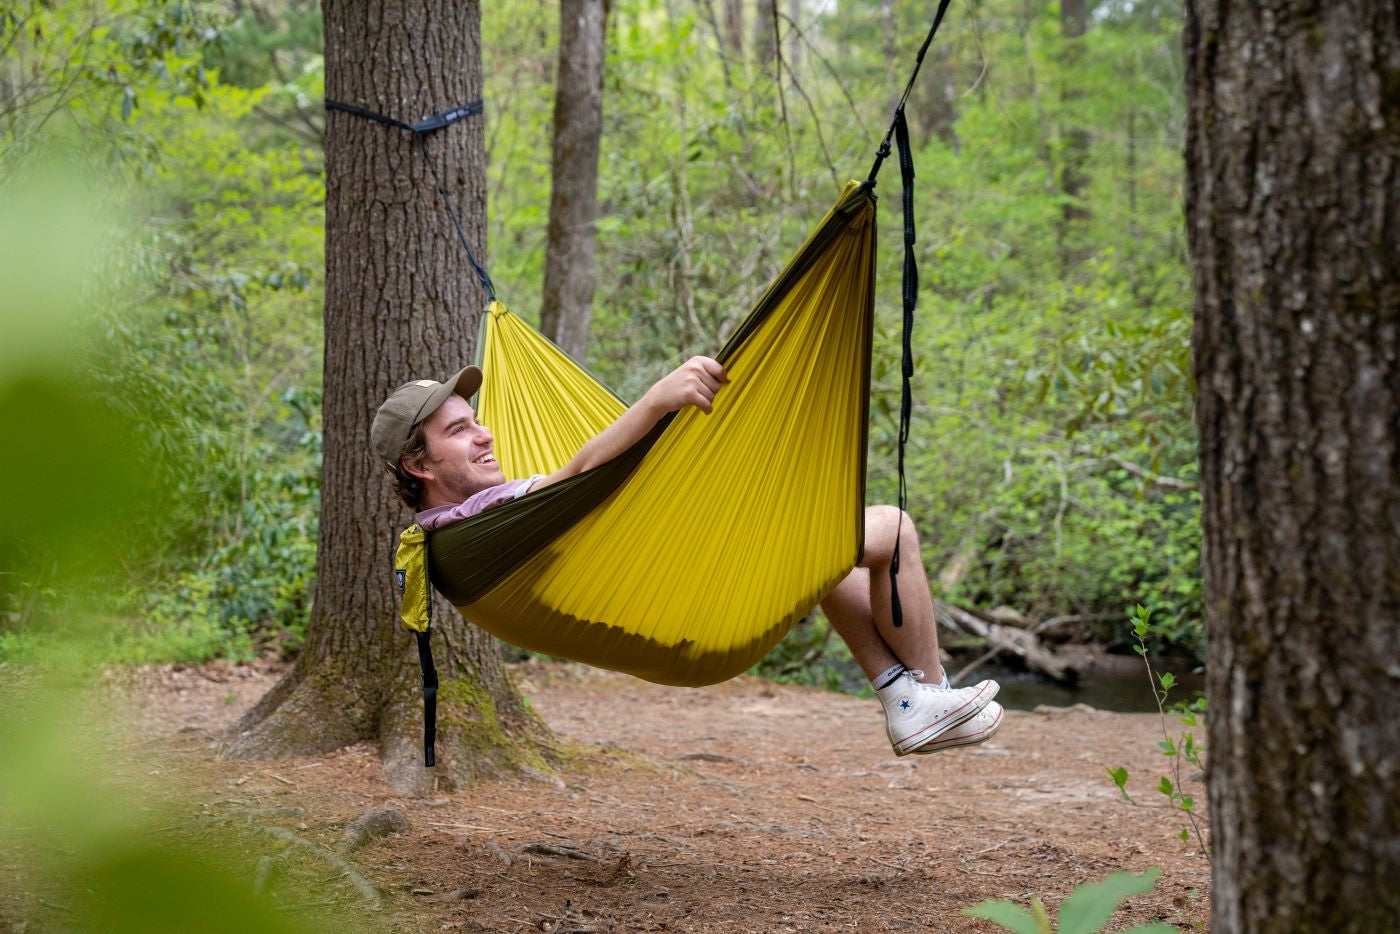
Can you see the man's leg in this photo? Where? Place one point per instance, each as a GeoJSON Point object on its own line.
{"type": "Point", "coordinates": [859, 607]}
{"type": "Point", "coordinates": [920, 716]}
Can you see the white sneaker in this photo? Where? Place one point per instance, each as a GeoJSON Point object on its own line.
{"type": "Point", "coordinates": [916, 713]}
{"type": "Point", "coordinates": [976, 729]}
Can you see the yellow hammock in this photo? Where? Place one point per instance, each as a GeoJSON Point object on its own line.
{"type": "Point", "coordinates": [686, 559]}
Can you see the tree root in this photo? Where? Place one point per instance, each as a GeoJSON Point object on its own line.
{"type": "Point", "coordinates": [366, 888]}
{"type": "Point", "coordinates": [311, 718]}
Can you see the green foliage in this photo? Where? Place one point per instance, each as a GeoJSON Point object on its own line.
{"type": "Point", "coordinates": [74, 72]}
{"type": "Point", "coordinates": [104, 841]}
{"type": "Point", "coordinates": [94, 841]}
{"type": "Point", "coordinates": [1180, 749]}
{"type": "Point", "coordinates": [1087, 909]}
{"type": "Point", "coordinates": [1052, 466]}
{"type": "Point", "coordinates": [813, 655]}
{"type": "Point", "coordinates": [182, 621]}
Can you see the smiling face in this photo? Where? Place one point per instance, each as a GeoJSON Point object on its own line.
{"type": "Point", "coordinates": [460, 460]}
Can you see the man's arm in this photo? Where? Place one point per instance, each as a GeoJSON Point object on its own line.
{"type": "Point", "coordinates": [694, 382]}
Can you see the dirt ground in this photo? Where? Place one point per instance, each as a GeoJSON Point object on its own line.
{"type": "Point", "coordinates": [746, 806]}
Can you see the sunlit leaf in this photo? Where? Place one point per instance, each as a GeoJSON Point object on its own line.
{"type": "Point", "coordinates": [1007, 914]}
{"type": "Point", "coordinates": [1090, 906]}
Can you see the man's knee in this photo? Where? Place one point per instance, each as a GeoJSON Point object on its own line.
{"type": "Point", "coordinates": [882, 523]}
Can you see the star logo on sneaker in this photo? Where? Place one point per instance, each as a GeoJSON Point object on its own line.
{"type": "Point", "coordinates": [904, 704]}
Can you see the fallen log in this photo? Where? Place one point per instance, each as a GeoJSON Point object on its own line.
{"type": "Point", "coordinates": [1022, 643]}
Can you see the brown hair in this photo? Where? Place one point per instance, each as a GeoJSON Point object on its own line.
{"type": "Point", "coordinates": [406, 485]}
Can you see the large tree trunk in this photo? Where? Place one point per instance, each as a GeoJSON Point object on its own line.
{"type": "Point", "coordinates": [1293, 208]}
{"type": "Point", "coordinates": [399, 305]}
{"type": "Point", "coordinates": [567, 307]}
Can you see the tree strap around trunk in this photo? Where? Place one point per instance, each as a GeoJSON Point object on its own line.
{"type": "Point", "coordinates": [420, 131]}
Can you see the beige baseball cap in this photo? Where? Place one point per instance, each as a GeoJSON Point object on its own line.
{"type": "Point", "coordinates": [410, 404]}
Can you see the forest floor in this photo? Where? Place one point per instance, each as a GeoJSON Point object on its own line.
{"type": "Point", "coordinates": [746, 806]}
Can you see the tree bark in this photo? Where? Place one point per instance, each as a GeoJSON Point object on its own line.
{"type": "Point", "coordinates": [567, 307]}
{"type": "Point", "coordinates": [1293, 211]}
{"type": "Point", "coordinates": [399, 305]}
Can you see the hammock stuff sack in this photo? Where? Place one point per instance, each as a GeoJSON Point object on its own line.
{"type": "Point", "coordinates": [685, 559]}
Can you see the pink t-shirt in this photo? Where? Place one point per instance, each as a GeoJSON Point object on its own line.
{"type": "Point", "coordinates": [439, 516]}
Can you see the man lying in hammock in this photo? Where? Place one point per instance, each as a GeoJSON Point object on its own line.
{"type": "Point", "coordinates": [443, 466]}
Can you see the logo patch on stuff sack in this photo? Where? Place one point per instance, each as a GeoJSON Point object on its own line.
{"type": "Point", "coordinates": [401, 577]}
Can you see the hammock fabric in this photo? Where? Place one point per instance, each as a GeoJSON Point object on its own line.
{"type": "Point", "coordinates": [684, 560]}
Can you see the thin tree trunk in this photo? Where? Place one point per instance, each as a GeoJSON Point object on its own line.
{"type": "Point", "coordinates": [721, 43]}
{"type": "Point", "coordinates": [935, 96]}
{"type": "Point", "coordinates": [734, 28]}
{"type": "Point", "coordinates": [764, 41]}
{"type": "Point", "coordinates": [398, 306]}
{"type": "Point", "coordinates": [796, 57]}
{"type": "Point", "coordinates": [1293, 211]}
{"type": "Point", "coordinates": [1074, 160]}
{"type": "Point", "coordinates": [889, 22]}
{"type": "Point", "coordinates": [567, 308]}
{"type": "Point", "coordinates": [1047, 155]}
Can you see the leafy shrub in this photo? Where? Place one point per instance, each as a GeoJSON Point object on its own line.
{"type": "Point", "coordinates": [1087, 909]}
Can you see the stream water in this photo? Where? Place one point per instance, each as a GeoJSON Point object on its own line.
{"type": "Point", "coordinates": [1126, 690]}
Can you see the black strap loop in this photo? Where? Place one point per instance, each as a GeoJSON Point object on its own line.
{"type": "Point", "coordinates": [909, 292]}
{"type": "Point", "coordinates": [481, 275]}
{"type": "Point", "coordinates": [420, 131]}
{"type": "Point", "coordinates": [430, 686]}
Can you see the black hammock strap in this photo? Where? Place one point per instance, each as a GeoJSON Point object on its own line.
{"type": "Point", "coordinates": [430, 686]}
{"type": "Point", "coordinates": [420, 131]}
{"type": "Point", "coordinates": [909, 292]}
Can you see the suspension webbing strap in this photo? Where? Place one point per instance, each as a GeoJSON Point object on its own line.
{"type": "Point", "coordinates": [426, 125]}
{"type": "Point", "coordinates": [909, 295]}
{"type": "Point", "coordinates": [909, 290]}
{"type": "Point", "coordinates": [430, 686]}
{"type": "Point", "coordinates": [420, 131]}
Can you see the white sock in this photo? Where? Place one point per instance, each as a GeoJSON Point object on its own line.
{"type": "Point", "coordinates": [942, 685]}
{"type": "Point", "coordinates": [885, 678]}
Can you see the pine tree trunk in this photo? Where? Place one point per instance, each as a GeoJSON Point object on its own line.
{"type": "Point", "coordinates": [567, 307]}
{"type": "Point", "coordinates": [400, 304]}
{"type": "Point", "coordinates": [1293, 209]}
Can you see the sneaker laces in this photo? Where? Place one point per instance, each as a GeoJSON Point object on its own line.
{"type": "Point", "coordinates": [918, 677]}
